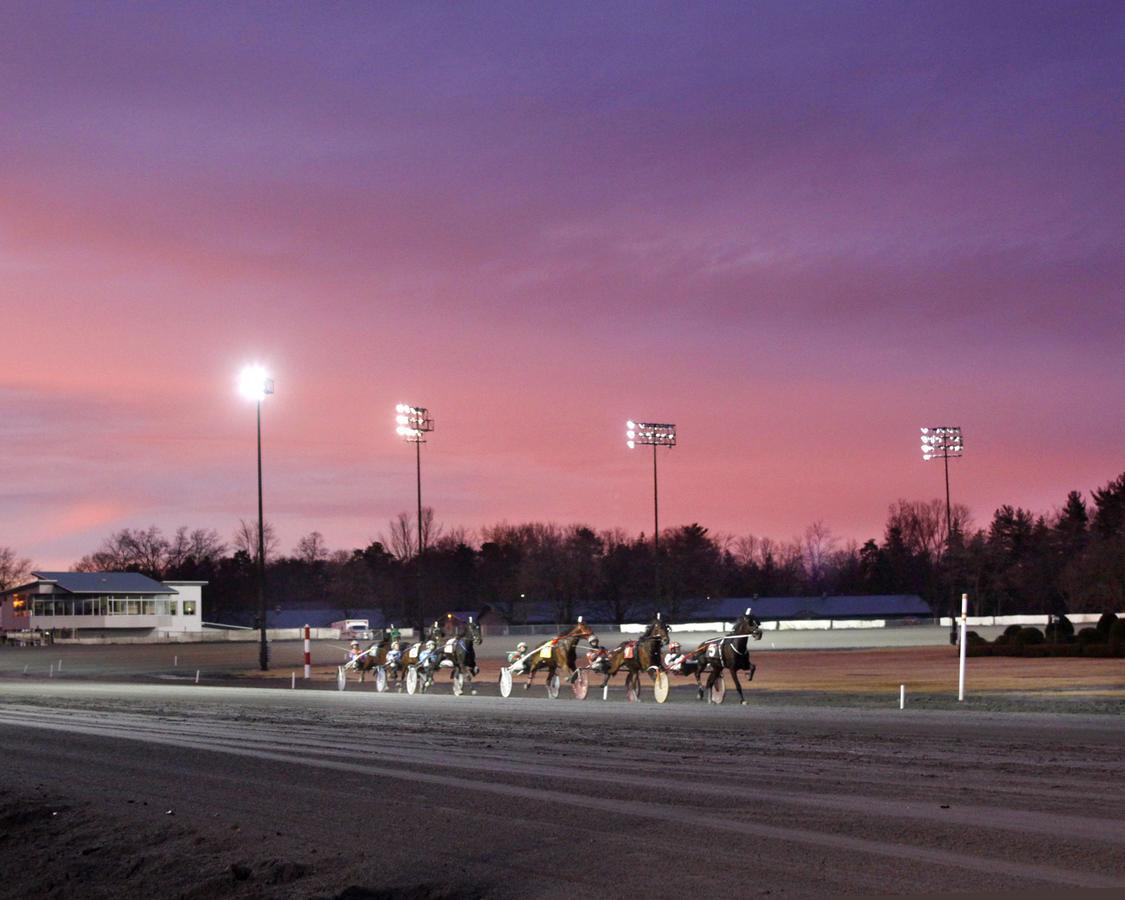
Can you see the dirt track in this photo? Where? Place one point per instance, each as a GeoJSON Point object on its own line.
{"type": "Point", "coordinates": [320, 793]}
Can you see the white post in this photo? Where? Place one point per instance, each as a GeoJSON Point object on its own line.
{"type": "Point", "coordinates": [293, 681]}
{"type": "Point", "coordinates": [961, 668]}
{"type": "Point", "coordinates": [308, 654]}
{"type": "Point", "coordinates": [52, 673]}
{"type": "Point", "coordinates": [902, 696]}
{"type": "Point", "coordinates": [60, 665]}
{"type": "Point", "coordinates": [175, 660]}
{"type": "Point", "coordinates": [197, 676]}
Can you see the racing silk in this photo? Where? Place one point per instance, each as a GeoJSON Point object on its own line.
{"type": "Point", "coordinates": [673, 661]}
{"type": "Point", "coordinates": [513, 655]}
{"type": "Point", "coordinates": [393, 657]}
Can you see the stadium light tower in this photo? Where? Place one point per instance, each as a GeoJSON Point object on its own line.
{"type": "Point", "coordinates": [254, 384]}
{"type": "Point", "coordinates": [654, 434]}
{"type": "Point", "coordinates": [412, 424]}
{"type": "Point", "coordinates": [943, 442]}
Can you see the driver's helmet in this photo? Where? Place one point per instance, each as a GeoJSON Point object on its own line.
{"type": "Point", "coordinates": [674, 647]}
{"type": "Point", "coordinates": [522, 647]}
{"type": "Point", "coordinates": [395, 645]}
{"type": "Point", "coordinates": [430, 645]}
{"type": "Point", "coordinates": [594, 642]}
{"type": "Point", "coordinates": [355, 644]}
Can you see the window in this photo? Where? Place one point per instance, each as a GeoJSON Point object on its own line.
{"type": "Point", "coordinates": [189, 607]}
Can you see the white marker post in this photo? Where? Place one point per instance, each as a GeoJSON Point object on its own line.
{"type": "Point", "coordinates": [293, 681]}
{"type": "Point", "coordinates": [902, 696]}
{"type": "Point", "coordinates": [961, 668]}
{"type": "Point", "coordinates": [175, 661]}
{"type": "Point", "coordinates": [197, 676]}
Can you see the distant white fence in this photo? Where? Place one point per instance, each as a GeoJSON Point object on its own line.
{"type": "Point", "coordinates": [785, 625]}
{"type": "Point", "coordinates": [984, 621]}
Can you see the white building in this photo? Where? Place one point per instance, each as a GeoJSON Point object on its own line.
{"type": "Point", "coordinates": [103, 604]}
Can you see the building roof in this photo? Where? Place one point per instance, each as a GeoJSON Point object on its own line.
{"type": "Point", "coordinates": [830, 607]}
{"type": "Point", "coordinates": [104, 583]}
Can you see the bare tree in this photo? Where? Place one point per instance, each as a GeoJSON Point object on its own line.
{"type": "Point", "coordinates": [14, 570]}
{"type": "Point", "coordinates": [311, 548]}
{"type": "Point", "coordinates": [816, 551]}
{"type": "Point", "coordinates": [143, 549]}
{"type": "Point", "coordinates": [922, 524]}
{"type": "Point", "coordinates": [246, 538]}
{"type": "Point", "coordinates": [402, 539]}
{"type": "Point", "coordinates": [203, 545]}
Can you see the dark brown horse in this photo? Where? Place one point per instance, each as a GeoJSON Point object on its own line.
{"type": "Point", "coordinates": [730, 653]}
{"type": "Point", "coordinates": [641, 655]}
{"type": "Point", "coordinates": [458, 647]}
{"type": "Point", "coordinates": [560, 652]}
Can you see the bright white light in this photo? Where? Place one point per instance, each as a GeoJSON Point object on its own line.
{"type": "Point", "coordinates": [401, 419]}
{"type": "Point", "coordinates": [925, 431]}
{"type": "Point", "coordinates": [254, 383]}
{"type": "Point", "coordinates": [631, 425]}
{"type": "Point", "coordinates": [402, 431]}
{"type": "Point", "coordinates": [631, 444]}
{"type": "Point", "coordinates": [630, 434]}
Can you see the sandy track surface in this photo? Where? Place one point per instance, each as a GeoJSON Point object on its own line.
{"type": "Point", "coordinates": [320, 793]}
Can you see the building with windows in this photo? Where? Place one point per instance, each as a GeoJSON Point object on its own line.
{"type": "Point", "coordinates": [102, 604]}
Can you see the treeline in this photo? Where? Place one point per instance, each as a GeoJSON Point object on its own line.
{"type": "Point", "coordinates": [1069, 560]}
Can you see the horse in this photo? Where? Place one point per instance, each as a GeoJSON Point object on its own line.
{"type": "Point", "coordinates": [374, 656]}
{"type": "Point", "coordinates": [731, 652]}
{"type": "Point", "coordinates": [561, 651]}
{"type": "Point", "coordinates": [460, 648]}
{"type": "Point", "coordinates": [641, 655]}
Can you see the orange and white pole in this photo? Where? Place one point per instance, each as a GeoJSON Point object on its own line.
{"type": "Point", "coordinates": [308, 654]}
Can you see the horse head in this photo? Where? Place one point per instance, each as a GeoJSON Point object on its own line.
{"type": "Point", "coordinates": [473, 630]}
{"type": "Point", "coordinates": [657, 628]}
{"type": "Point", "coordinates": [749, 624]}
{"type": "Point", "coordinates": [580, 630]}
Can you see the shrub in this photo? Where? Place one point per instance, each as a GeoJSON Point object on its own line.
{"type": "Point", "coordinates": [973, 638]}
{"type": "Point", "coordinates": [1012, 631]}
{"type": "Point", "coordinates": [1116, 636]}
{"type": "Point", "coordinates": [1030, 636]}
{"type": "Point", "coordinates": [1059, 631]}
{"type": "Point", "coordinates": [1105, 623]}
{"type": "Point", "coordinates": [1088, 636]}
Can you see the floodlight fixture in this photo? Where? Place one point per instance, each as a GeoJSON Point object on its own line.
{"type": "Point", "coordinates": [942, 442]}
{"type": "Point", "coordinates": [412, 423]}
{"type": "Point", "coordinates": [254, 383]}
{"type": "Point", "coordinates": [655, 434]}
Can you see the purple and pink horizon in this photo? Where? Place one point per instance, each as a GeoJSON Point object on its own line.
{"type": "Point", "coordinates": [799, 232]}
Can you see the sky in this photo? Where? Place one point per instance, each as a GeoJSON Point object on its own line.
{"type": "Point", "coordinates": [799, 231]}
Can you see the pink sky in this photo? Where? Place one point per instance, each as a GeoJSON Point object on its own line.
{"type": "Point", "coordinates": [798, 232]}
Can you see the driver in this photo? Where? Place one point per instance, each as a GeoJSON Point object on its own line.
{"type": "Point", "coordinates": [353, 651]}
{"type": "Point", "coordinates": [521, 649]}
{"type": "Point", "coordinates": [674, 658]}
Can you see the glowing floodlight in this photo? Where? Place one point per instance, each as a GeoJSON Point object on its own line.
{"type": "Point", "coordinates": [254, 383]}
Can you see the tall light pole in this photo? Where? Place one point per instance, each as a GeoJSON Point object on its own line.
{"type": "Point", "coordinates": [412, 424]}
{"type": "Point", "coordinates": [254, 384]}
{"type": "Point", "coordinates": [654, 434]}
{"type": "Point", "coordinates": [944, 442]}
